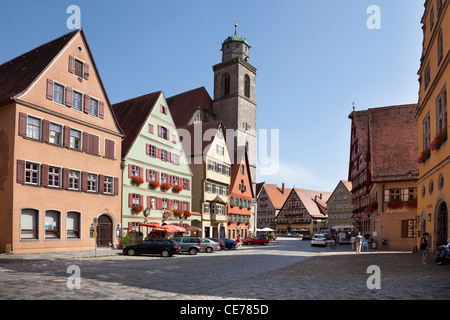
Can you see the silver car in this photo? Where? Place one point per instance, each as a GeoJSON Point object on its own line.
{"type": "Point", "coordinates": [209, 245]}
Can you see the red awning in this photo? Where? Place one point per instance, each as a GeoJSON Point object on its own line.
{"type": "Point", "coordinates": [171, 228]}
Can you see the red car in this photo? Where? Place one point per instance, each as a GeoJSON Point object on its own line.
{"type": "Point", "coordinates": [257, 240]}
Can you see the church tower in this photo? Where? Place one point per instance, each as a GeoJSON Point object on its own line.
{"type": "Point", "coordinates": [234, 96]}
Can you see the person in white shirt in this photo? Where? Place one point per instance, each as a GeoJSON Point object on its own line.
{"type": "Point", "coordinates": [445, 252]}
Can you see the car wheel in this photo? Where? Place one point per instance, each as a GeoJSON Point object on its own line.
{"type": "Point", "coordinates": [165, 253]}
{"type": "Point", "coordinates": [192, 251]}
{"type": "Point", "coordinates": [265, 244]}
{"type": "Point", "coordinates": [131, 252]}
{"type": "Point", "coordinates": [209, 250]}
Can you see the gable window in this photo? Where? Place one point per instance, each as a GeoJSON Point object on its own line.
{"type": "Point", "coordinates": [55, 134]}
{"type": "Point", "coordinates": [34, 128]}
{"type": "Point", "coordinates": [31, 173]}
{"type": "Point", "coordinates": [152, 151]}
{"type": "Point", "coordinates": [164, 133]}
{"type": "Point", "coordinates": [78, 68]}
{"type": "Point", "coordinates": [58, 93]}
{"type": "Point", "coordinates": [220, 150]}
{"type": "Point", "coordinates": [74, 180]}
{"type": "Point", "coordinates": [174, 158]}
{"type": "Point", "coordinates": [163, 109]}
{"type": "Point", "coordinates": [77, 100]}
{"type": "Point", "coordinates": [242, 169]}
{"type": "Point", "coordinates": [93, 107]}
{"type": "Point", "coordinates": [75, 139]}
{"type": "Point", "coordinates": [427, 76]}
{"type": "Point", "coordinates": [440, 46]}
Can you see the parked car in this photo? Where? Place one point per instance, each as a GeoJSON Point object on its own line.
{"type": "Point", "coordinates": [230, 244]}
{"type": "Point", "coordinates": [287, 234]}
{"type": "Point", "coordinates": [220, 241]}
{"type": "Point", "coordinates": [319, 240]}
{"type": "Point", "coordinates": [297, 235]}
{"type": "Point", "coordinates": [192, 245]}
{"type": "Point", "coordinates": [306, 237]}
{"type": "Point", "coordinates": [256, 240]}
{"type": "Point", "coordinates": [209, 245]}
{"type": "Point", "coordinates": [166, 248]}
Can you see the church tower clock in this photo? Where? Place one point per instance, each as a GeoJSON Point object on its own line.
{"type": "Point", "coordinates": [234, 95]}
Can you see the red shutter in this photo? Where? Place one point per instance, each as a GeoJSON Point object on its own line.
{"type": "Point", "coordinates": [116, 186]}
{"type": "Point", "coordinates": [148, 202]}
{"type": "Point", "coordinates": [189, 206]}
{"type": "Point", "coordinates": [159, 203]}
{"type": "Point", "coordinates": [159, 131]}
{"type": "Point", "coordinates": [23, 118]}
{"type": "Point", "coordinates": [169, 179]}
{"type": "Point", "coordinates": [65, 179]}
{"type": "Point", "coordinates": [49, 89]}
{"type": "Point", "coordinates": [95, 145]}
{"type": "Point", "coordinates": [87, 100]}
{"type": "Point", "coordinates": [141, 200]}
{"type": "Point", "coordinates": [147, 149]}
{"type": "Point", "coordinates": [85, 144]}
{"type": "Point", "coordinates": [69, 95]}
{"type": "Point", "coordinates": [130, 171]}
{"type": "Point", "coordinates": [101, 184]}
{"type": "Point", "coordinates": [147, 175]}
{"type": "Point", "coordinates": [157, 176]}
{"type": "Point", "coordinates": [86, 71]}
{"type": "Point", "coordinates": [130, 200]}
{"type": "Point", "coordinates": [150, 128]}
{"type": "Point", "coordinates": [189, 184]}
{"type": "Point", "coordinates": [67, 137]}
{"type": "Point", "coordinates": [71, 64]}
{"type": "Point", "coordinates": [101, 110]}
{"type": "Point", "coordinates": [20, 172]}
{"type": "Point", "coordinates": [84, 176]}
{"type": "Point", "coordinates": [46, 131]}
{"type": "Point", "coordinates": [141, 172]}
{"type": "Point", "coordinates": [44, 175]}
{"type": "Point", "coordinates": [167, 135]}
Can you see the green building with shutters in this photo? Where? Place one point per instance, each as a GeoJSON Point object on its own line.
{"type": "Point", "coordinates": [156, 188]}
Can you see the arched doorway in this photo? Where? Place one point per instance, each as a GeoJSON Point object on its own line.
{"type": "Point", "coordinates": [104, 231]}
{"type": "Point", "coordinates": [442, 224]}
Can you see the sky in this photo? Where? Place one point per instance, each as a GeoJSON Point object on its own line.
{"type": "Point", "coordinates": [314, 60]}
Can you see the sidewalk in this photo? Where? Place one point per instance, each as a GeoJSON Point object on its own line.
{"type": "Point", "coordinates": [62, 255]}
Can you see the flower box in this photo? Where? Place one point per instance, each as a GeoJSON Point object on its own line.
{"type": "Point", "coordinates": [154, 184]}
{"type": "Point", "coordinates": [439, 140]}
{"type": "Point", "coordinates": [137, 209]}
{"type": "Point", "coordinates": [395, 204]}
{"type": "Point", "coordinates": [178, 213]}
{"type": "Point", "coordinates": [424, 156]}
{"type": "Point", "coordinates": [412, 203]}
{"type": "Point", "coordinates": [177, 189]}
{"type": "Point", "coordinates": [187, 213]}
{"type": "Point", "coordinates": [372, 207]}
{"type": "Point", "coordinates": [165, 186]}
{"type": "Point", "coordinates": [137, 180]}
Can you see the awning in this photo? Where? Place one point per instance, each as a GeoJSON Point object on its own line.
{"type": "Point", "coordinates": [343, 227]}
{"type": "Point", "coordinates": [172, 229]}
{"type": "Point", "coordinates": [192, 228]}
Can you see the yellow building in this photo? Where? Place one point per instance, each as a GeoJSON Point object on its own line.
{"type": "Point", "coordinates": [434, 151]}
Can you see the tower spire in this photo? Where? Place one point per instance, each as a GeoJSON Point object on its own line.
{"type": "Point", "coordinates": [235, 28]}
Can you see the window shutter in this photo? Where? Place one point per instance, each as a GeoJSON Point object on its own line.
{"type": "Point", "coordinates": [157, 176]}
{"type": "Point", "coordinates": [86, 71]}
{"type": "Point", "coordinates": [147, 149]}
{"type": "Point", "coordinates": [130, 200]}
{"type": "Point", "coordinates": [101, 184]}
{"type": "Point", "coordinates": [174, 138]}
{"type": "Point", "coordinates": [130, 171]}
{"type": "Point", "coordinates": [85, 147]}
{"type": "Point", "coordinates": [69, 95]}
{"type": "Point", "coordinates": [189, 206]}
{"type": "Point", "coordinates": [169, 180]}
{"type": "Point", "coordinates": [147, 175]}
{"type": "Point", "coordinates": [101, 110]}
{"type": "Point", "coordinates": [46, 131]}
{"type": "Point", "coordinates": [109, 148]}
{"type": "Point", "coordinates": [87, 100]}
{"type": "Point", "coordinates": [159, 203]}
{"type": "Point", "coordinates": [84, 176]}
{"type": "Point", "coordinates": [167, 135]}
{"type": "Point", "coordinates": [95, 145]}
{"type": "Point", "coordinates": [116, 186]}
{"type": "Point", "coordinates": [49, 89]}
{"type": "Point", "coordinates": [141, 200]}
{"type": "Point", "coordinates": [71, 64]}
{"type": "Point", "coordinates": [67, 137]}
{"type": "Point", "coordinates": [20, 172]}
{"type": "Point", "coordinates": [44, 176]}
{"type": "Point", "coordinates": [189, 184]}
{"type": "Point", "coordinates": [150, 128]}
{"type": "Point", "coordinates": [65, 179]}
{"type": "Point", "coordinates": [141, 172]}
{"type": "Point", "coordinates": [23, 118]}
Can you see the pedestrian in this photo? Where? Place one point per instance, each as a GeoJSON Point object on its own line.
{"type": "Point", "coordinates": [445, 252]}
{"type": "Point", "coordinates": [424, 247]}
{"type": "Point", "coordinates": [353, 241]}
{"type": "Point", "coordinates": [238, 245]}
{"type": "Point", "coordinates": [358, 242]}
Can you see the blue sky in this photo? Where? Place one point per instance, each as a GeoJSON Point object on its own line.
{"type": "Point", "coordinates": [314, 59]}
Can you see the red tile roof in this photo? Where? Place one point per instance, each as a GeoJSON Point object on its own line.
{"type": "Point", "coordinates": [132, 114]}
{"type": "Point", "coordinates": [315, 202]}
{"type": "Point", "coordinates": [276, 196]}
{"type": "Point", "coordinates": [183, 105]}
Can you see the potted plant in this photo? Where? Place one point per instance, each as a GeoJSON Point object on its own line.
{"type": "Point", "coordinates": [165, 186]}
{"type": "Point", "coordinates": [137, 180]}
{"type": "Point", "coordinates": [177, 189]}
{"type": "Point", "coordinates": [137, 208]}
{"type": "Point", "coordinates": [187, 213]}
{"type": "Point", "coordinates": [154, 184]}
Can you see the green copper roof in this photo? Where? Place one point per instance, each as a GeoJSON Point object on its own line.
{"type": "Point", "coordinates": [236, 38]}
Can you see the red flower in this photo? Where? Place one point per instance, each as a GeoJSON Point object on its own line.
{"type": "Point", "coordinates": [395, 204]}
{"type": "Point", "coordinates": [178, 212]}
{"type": "Point", "coordinates": [425, 155]}
{"type": "Point", "coordinates": [154, 184]}
{"type": "Point", "coordinates": [137, 180]}
{"type": "Point", "coordinates": [165, 186]}
{"type": "Point", "coordinates": [187, 213]}
{"type": "Point", "coordinates": [137, 209]}
{"type": "Point", "coordinates": [177, 189]}
{"type": "Point", "coordinates": [439, 140]}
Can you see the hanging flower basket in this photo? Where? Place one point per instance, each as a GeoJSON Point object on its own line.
{"type": "Point", "coordinates": [395, 204]}
{"type": "Point", "coordinates": [165, 186]}
{"type": "Point", "coordinates": [187, 213]}
{"type": "Point", "coordinates": [424, 156]}
{"type": "Point", "coordinates": [439, 140]}
{"type": "Point", "coordinates": [137, 180]}
{"type": "Point", "coordinates": [177, 189]}
{"type": "Point", "coordinates": [137, 209]}
{"type": "Point", "coordinates": [153, 184]}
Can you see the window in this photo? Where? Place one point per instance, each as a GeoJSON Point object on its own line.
{"type": "Point", "coordinates": [440, 46]}
{"type": "Point", "coordinates": [208, 186]}
{"type": "Point", "coordinates": [247, 86]}
{"type": "Point", "coordinates": [426, 132]}
{"type": "Point", "coordinates": [185, 205]}
{"type": "Point", "coordinates": [28, 224]}
{"type": "Point", "coordinates": [174, 158]}
{"type": "Point", "coordinates": [52, 224]}
{"type": "Point", "coordinates": [431, 19]}
{"type": "Point", "coordinates": [54, 177]}
{"type": "Point", "coordinates": [34, 128]}
{"type": "Point", "coordinates": [206, 208]}
{"type": "Point", "coordinates": [93, 107]}
{"type": "Point", "coordinates": [165, 204]}
{"type": "Point", "coordinates": [135, 171]}
{"type": "Point", "coordinates": [441, 111]}
{"type": "Point", "coordinates": [163, 155]}
{"type": "Point", "coordinates": [73, 225]}
{"type": "Point", "coordinates": [216, 188]}
{"type": "Point", "coordinates": [108, 185]}
{"type": "Point", "coordinates": [175, 204]}
{"type": "Point", "coordinates": [55, 134]}
{"type": "Point", "coordinates": [226, 84]}
{"type": "Point", "coordinates": [92, 182]}
{"type": "Point", "coordinates": [242, 169]}
{"type": "Point", "coordinates": [175, 181]}
{"type": "Point", "coordinates": [219, 150]}
{"type": "Point", "coordinates": [219, 134]}
{"type": "Point", "coordinates": [164, 134]}
{"type": "Point", "coordinates": [152, 151]}
{"type": "Point", "coordinates": [164, 178]}
{"type": "Point", "coordinates": [77, 100]}
{"type": "Point", "coordinates": [135, 200]}
{"type": "Point", "coordinates": [163, 109]}
{"type": "Point", "coordinates": [74, 180]}
{"type": "Point", "coordinates": [58, 93]}
{"type": "Point", "coordinates": [152, 175]}
{"type": "Point", "coordinates": [427, 76]}
{"type": "Point", "coordinates": [31, 173]}
{"type": "Point", "coordinates": [211, 165]}
{"type": "Point", "coordinates": [75, 139]}
{"type": "Point", "coordinates": [185, 184]}
{"type": "Point", "coordinates": [79, 68]}
{"type": "Point", "coordinates": [219, 167]}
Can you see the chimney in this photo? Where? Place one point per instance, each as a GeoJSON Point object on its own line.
{"type": "Point", "coordinates": [282, 188]}
{"type": "Point", "coordinates": [320, 196]}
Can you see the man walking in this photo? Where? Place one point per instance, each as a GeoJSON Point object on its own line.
{"type": "Point", "coordinates": [358, 242]}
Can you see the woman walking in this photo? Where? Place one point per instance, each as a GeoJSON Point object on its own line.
{"type": "Point", "coordinates": [424, 247]}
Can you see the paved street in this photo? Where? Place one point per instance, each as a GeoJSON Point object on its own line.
{"type": "Point", "coordinates": [287, 269]}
